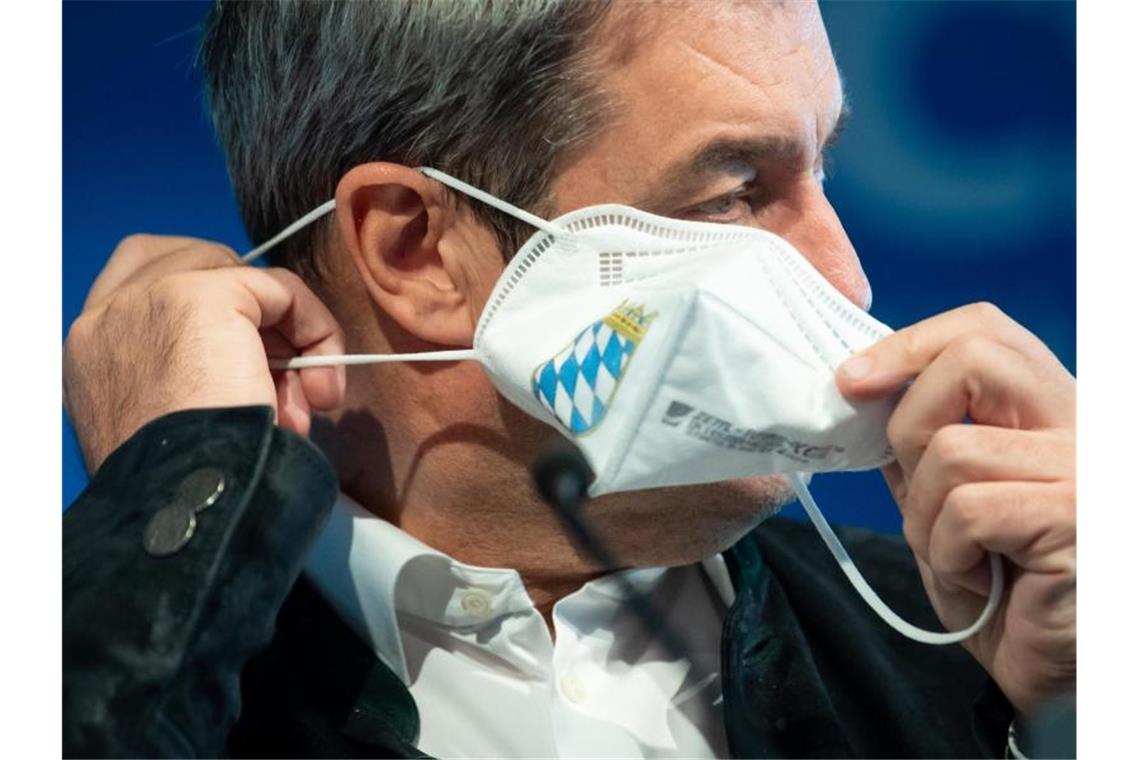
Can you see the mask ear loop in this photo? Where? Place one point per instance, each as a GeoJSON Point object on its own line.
{"type": "Point", "coordinates": [997, 580]}
{"type": "Point", "coordinates": [462, 354]}
{"type": "Point", "coordinates": [507, 208]}
{"type": "Point", "coordinates": [304, 221]}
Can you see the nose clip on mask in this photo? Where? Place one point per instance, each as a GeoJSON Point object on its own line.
{"type": "Point", "coordinates": [676, 352]}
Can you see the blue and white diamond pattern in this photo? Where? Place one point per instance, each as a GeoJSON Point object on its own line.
{"type": "Point", "coordinates": [578, 384]}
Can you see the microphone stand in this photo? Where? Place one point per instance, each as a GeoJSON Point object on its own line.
{"type": "Point", "coordinates": [562, 476]}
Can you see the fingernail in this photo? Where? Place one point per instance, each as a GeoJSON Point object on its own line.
{"type": "Point", "coordinates": [856, 368]}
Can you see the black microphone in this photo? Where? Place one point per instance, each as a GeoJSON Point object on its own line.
{"type": "Point", "coordinates": [563, 476]}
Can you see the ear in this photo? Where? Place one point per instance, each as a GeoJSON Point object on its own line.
{"type": "Point", "coordinates": [394, 221]}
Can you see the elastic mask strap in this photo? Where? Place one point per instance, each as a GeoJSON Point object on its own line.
{"type": "Point", "coordinates": [455, 184]}
{"type": "Point", "coordinates": [338, 360]}
{"type": "Point", "coordinates": [479, 195]}
{"type": "Point", "coordinates": [997, 581]}
{"type": "Point", "coordinates": [463, 354]}
{"type": "Point", "coordinates": [304, 221]}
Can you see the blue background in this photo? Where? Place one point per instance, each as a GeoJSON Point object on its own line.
{"type": "Point", "coordinates": [956, 178]}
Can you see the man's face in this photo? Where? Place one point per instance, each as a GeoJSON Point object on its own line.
{"type": "Point", "coordinates": [723, 114]}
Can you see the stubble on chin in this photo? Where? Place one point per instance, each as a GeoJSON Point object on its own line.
{"type": "Point", "coordinates": [668, 527]}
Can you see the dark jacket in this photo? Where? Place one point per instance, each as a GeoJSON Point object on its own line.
{"type": "Point", "coordinates": [220, 649]}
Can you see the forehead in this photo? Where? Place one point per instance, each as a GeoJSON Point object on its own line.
{"type": "Point", "coordinates": [680, 75]}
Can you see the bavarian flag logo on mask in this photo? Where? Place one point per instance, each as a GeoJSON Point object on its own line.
{"type": "Point", "coordinates": [577, 385]}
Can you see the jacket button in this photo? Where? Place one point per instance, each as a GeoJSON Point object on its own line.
{"type": "Point", "coordinates": [169, 530]}
{"type": "Point", "coordinates": [173, 526]}
{"type": "Point", "coordinates": [201, 489]}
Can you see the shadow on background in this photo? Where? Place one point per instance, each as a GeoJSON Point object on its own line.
{"type": "Point", "coordinates": [956, 177]}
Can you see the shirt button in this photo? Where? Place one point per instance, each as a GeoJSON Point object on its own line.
{"type": "Point", "coordinates": [475, 602]}
{"type": "Point", "coordinates": [573, 689]}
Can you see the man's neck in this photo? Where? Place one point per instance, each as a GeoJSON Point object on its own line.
{"type": "Point", "coordinates": [482, 531]}
{"type": "Point", "coordinates": [465, 491]}
{"type": "Point", "coordinates": [550, 567]}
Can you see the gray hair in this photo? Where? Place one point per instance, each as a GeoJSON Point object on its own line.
{"type": "Point", "coordinates": [491, 91]}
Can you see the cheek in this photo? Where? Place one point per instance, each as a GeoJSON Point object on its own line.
{"type": "Point", "coordinates": [481, 282]}
{"type": "Point", "coordinates": [477, 262]}
{"type": "Point", "coordinates": [806, 219]}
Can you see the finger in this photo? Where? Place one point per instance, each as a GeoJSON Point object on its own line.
{"type": "Point", "coordinates": [959, 601]}
{"type": "Point", "coordinates": [896, 481]}
{"type": "Point", "coordinates": [311, 328]}
{"type": "Point", "coordinates": [293, 412]}
{"type": "Point", "coordinates": [889, 364]}
{"type": "Point", "coordinates": [273, 300]}
{"type": "Point", "coordinates": [1032, 524]}
{"type": "Point", "coordinates": [963, 454]}
{"type": "Point", "coordinates": [199, 256]}
{"type": "Point", "coordinates": [279, 299]}
{"type": "Point", "coordinates": [324, 387]}
{"type": "Point", "coordinates": [293, 408]}
{"type": "Point", "coordinates": [975, 580]}
{"type": "Point", "coordinates": [138, 252]}
{"type": "Point", "coordinates": [276, 346]}
{"type": "Point", "coordinates": [980, 379]}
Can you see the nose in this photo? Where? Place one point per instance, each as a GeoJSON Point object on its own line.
{"type": "Point", "coordinates": [816, 232]}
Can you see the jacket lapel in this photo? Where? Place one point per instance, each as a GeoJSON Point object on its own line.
{"type": "Point", "coordinates": [384, 714]}
{"type": "Point", "coordinates": [319, 691]}
{"type": "Point", "coordinates": [775, 704]}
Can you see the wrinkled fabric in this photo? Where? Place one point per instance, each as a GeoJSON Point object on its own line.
{"type": "Point", "coordinates": [153, 646]}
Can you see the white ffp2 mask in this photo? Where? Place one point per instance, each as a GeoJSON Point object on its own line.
{"type": "Point", "coordinates": [677, 352]}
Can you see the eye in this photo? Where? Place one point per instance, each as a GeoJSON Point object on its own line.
{"type": "Point", "coordinates": [719, 206]}
{"type": "Point", "coordinates": [727, 208]}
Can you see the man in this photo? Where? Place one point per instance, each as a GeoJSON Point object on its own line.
{"type": "Point", "coordinates": [402, 637]}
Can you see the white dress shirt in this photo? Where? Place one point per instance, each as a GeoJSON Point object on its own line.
{"type": "Point", "coordinates": [486, 675]}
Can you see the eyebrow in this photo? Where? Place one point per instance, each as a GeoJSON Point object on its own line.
{"type": "Point", "coordinates": [683, 180]}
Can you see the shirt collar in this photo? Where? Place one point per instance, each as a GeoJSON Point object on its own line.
{"type": "Point", "coordinates": [368, 570]}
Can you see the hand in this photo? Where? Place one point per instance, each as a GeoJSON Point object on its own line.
{"type": "Point", "coordinates": [1005, 482]}
{"type": "Point", "coordinates": [178, 323]}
